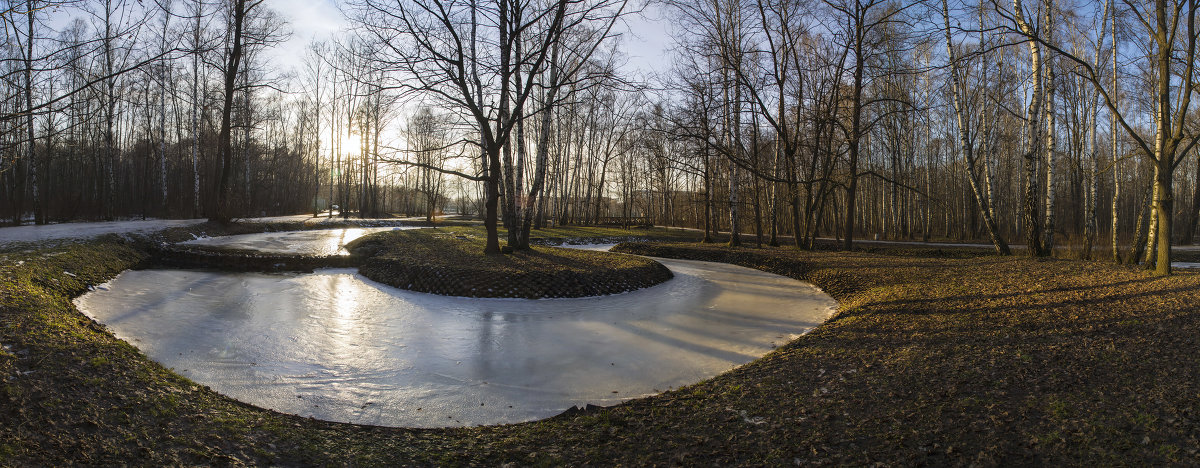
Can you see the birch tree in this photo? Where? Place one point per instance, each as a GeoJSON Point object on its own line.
{"type": "Point", "coordinates": [1171, 27]}
{"type": "Point", "coordinates": [965, 145]}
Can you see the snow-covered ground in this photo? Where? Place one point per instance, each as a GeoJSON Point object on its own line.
{"type": "Point", "coordinates": [70, 231]}
{"type": "Point", "coordinates": [51, 232]}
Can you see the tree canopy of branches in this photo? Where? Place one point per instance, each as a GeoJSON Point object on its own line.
{"type": "Point", "coordinates": [784, 120]}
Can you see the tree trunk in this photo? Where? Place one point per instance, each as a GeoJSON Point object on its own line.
{"type": "Point", "coordinates": [492, 186]}
{"type": "Point", "coordinates": [1164, 202]}
{"type": "Point", "coordinates": [1051, 134]}
{"type": "Point", "coordinates": [543, 150]}
{"type": "Point", "coordinates": [110, 155]}
{"type": "Point", "coordinates": [1138, 248]}
{"type": "Point", "coordinates": [38, 215]}
{"type": "Point", "coordinates": [708, 199]}
{"type": "Point", "coordinates": [734, 134]}
{"type": "Point", "coordinates": [1093, 179]}
{"type": "Point", "coordinates": [964, 140]}
{"type": "Point", "coordinates": [1032, 220]}
{"type": "Point", "coordinates": [1116, 248]}
{"type": "Point", "coordinates": [222, 213]}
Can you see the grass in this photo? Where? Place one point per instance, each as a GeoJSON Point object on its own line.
{"type": "Point", "coordinates": [943, 361]}
{"type": "Point", "coordinates": [450, 262]}
{"type": "Point", "coordinates": [589, 234]}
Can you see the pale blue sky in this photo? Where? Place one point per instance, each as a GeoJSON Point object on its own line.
{"type": "Point", "coordinates": [645, 38]}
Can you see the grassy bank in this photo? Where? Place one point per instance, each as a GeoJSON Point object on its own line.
{"type": "Point", "coordinates": [450, 262]}
{"type": "Point", "coordinates": [559, 235]}
{"type": "Point", "coordinates": [929, 361]}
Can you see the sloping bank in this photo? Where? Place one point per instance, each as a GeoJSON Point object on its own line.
{"type": "Point", "coordinates": [449, 265]}
{"type": "Point", "coordinates": [930, 361]}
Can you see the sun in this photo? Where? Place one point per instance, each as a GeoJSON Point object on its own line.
{"type": "Point", "coordinates": [350, 144]}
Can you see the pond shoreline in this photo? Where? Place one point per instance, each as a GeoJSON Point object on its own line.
{"type": "Point", "coordinates": [929, 361]}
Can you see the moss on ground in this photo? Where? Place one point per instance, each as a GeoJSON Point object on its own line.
{"type": "Point", "coordinates": [930, 361]}
{"type": "Point", "coordinates": [450, 262]}
{"type": "Point", "coordinates": [223, 259]}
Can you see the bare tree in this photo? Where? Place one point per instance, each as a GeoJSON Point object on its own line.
{"type": "Point", "coordinates": [437, 49]}
{"type": "Point", "coordinates": [966, 148]}
{"type": "Point", "coordinates": [1171, 26]}
{"type": "Point", "coordinates": [238, 13]}
{"type": "Point", "coordinates": [428, 138]}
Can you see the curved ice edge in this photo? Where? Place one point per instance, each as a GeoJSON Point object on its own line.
{"type": "Point", "coordinates": [384, 286]}
{"type": "Point", "coordinates": [547, 412]}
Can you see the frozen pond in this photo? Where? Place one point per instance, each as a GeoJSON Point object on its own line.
{"type": "Point", "coordinates": [337, 346]}
{"type": "Point", "coordinates": [320, 242]}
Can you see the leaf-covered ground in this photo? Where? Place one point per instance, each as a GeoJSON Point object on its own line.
{"type": "Point", "coordinates": [943, 361]}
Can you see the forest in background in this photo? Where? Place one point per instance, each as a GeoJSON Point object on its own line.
{"type": "Point", "coordinates": [1040, 123]}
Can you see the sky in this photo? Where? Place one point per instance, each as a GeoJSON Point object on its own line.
{"type": "Point", "coordinates": [645, 37]}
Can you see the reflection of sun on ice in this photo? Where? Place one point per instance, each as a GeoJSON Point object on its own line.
{"type": "Point", "coordinates": [345, 296]}
{"type": "Point", "coordinates": [341, 324]}
{"type": "Point", "coordinates": [334, 245]}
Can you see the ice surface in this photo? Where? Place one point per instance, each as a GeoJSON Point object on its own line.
{"type": "Point", "coordinates": [597, 247]}
{"type": "Point", "coordinates": [321, 242]}
{"type": "Point", "coordinates": [324, 218]}
{"type": "Point", "coordinates": [336, 346]}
